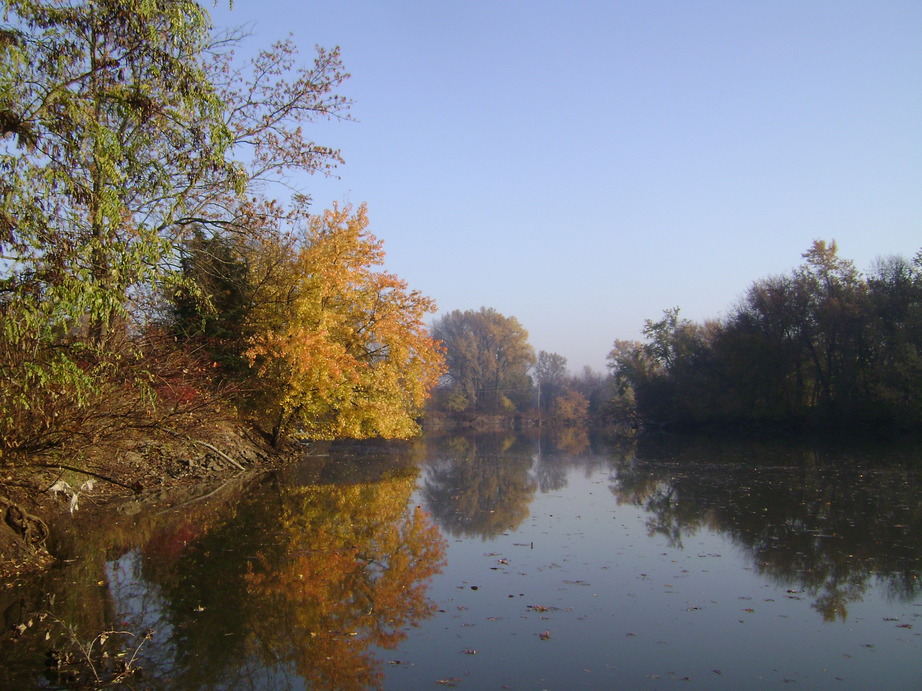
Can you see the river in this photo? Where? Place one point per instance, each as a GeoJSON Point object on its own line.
{"type": "Point", "coordinates": [498, 561]}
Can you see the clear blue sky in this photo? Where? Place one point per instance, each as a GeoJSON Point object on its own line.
{"type": "Point", "coordinates": [583, 165]}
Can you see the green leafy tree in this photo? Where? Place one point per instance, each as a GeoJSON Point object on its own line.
{"type": "Point", "coordinates": [108, 120]}
{"type": "Point", "coordinates": [105, 105]}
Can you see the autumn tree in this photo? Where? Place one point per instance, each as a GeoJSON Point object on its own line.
{"type": "Point", "coordinates": [571, 407]}
{"type": "Point", "coordinates": [339, 347]}
{"type": "Point", "coordinates": [130, 135]}
{"type": "Point", "coordinates": [488, 357]}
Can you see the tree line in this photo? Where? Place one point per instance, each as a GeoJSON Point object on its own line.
{"type": "Point", "coordinates": [154, 268]}
{"type": "Point", "coordinates": [493, 370]}
{"type": "Point", "coordinates": [824, 346]}
{"type": "Point", "coordinates": [821, 346]}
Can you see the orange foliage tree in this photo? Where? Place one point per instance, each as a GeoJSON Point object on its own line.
{"type": "Point", "coordinates": [339, 347]}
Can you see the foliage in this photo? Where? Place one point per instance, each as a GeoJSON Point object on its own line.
{"type": "Point", "coordinates": [108, 105]}
{"type": "Point", "coordinates": [822, 345]}
{"type": "Point", "coordinates": [571, 407]}
{"type": "Point", "coordinates": [104, 107]}
{"type": "Point", "coordinates": [488, 357]}
{"type": "Point", "coordinates": [339, 348]}
{"type": "Point", "coordinates": [137, 163]}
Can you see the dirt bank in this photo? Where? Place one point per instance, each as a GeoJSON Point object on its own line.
{"type": "Point", "coordinates": [33, 496]}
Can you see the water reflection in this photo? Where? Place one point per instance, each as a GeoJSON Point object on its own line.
{"type": "Point", "coordinates": [302, 578]}
{"type": "Point", "coordinates": [822, 521]}
{"type": "Point", "coordinates": [480, 485]}
{"type": "Point", "coordinates": [826, 523]}
{"type": "Point", "coordinates": [282, 584]}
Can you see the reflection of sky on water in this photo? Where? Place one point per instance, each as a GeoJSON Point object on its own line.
{"type": "Point", "coordinates": [139, 607]}
{"type": "Point", "coordinates": [625, 603]}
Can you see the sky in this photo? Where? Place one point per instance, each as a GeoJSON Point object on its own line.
{"type": "Point", "coordinates": [583, 165]}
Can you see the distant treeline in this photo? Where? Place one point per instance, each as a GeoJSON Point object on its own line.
{"type": "Point", "coordinates": [821, 346]}
{"type": "Point", "coordinates": [492, 370]}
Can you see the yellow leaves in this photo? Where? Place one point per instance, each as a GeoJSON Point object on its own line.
{"type": "Point", "coordinates": [340, 348]}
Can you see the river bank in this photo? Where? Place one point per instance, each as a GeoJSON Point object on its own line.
{"type": "Point", "coordinates": [141, 468]}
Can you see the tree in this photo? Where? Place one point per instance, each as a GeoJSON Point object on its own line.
{"type": "Point", "coordinates": [339, 348]}
{"type": "Point", "coordinates": [115, 121]}
{"type": "Point", "coordinates": [119, 122]}
{"type": "Point", "coordinates": [895, 296]}
{"type": "Point", "coordinates": [550, 377]}
{"type": "Point", "coordinates": [664, 374]}
{"type": "Point", "coordinates": [830, 307]}
{"type": "Point", "coordinates": [571, 407]}
{"type": "Point", "coordinates": [107, 119]}
{"type": "Point", "coordinates": [760, 354]}
{"type": "Point", "coordinates": [488, 357]}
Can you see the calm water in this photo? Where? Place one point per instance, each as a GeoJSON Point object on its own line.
{"type": "Point", "coordinates": [500, 562]}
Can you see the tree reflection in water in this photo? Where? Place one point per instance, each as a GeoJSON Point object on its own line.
{"type": "Point", "coordinates": [480, 485]}
{"type": "Point", "coordinates": [348, 571]}
{"type": "Point", "coordinates": [811, 521]}
{"type": "Point", "coordinates": [288, 585]}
